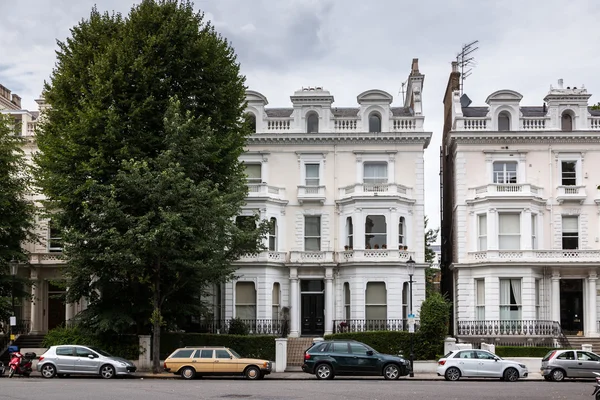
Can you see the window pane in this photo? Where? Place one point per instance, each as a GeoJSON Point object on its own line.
{"type": "Point", "coordinates": [254, 172]}
{"type": "Point", "coordinates": [569, 174]}
{"type": "Point", "coordinates": [375, 173]}
{"type": "Point", "coordinates": [376, 293]}
{"type": "Point", "coordinates": [312, 226]}
{"type": "Point", "coordinates": [183, 353]}
{"type": "Point", "coordinates": [503, 122]}
{"type": "Point", "coordinates": [312, 123]}
{"type": "Point", "coordinates": [376, 312]}
{"type": "Point", "coordinates": [222, 354]}
{"type": "Point", "coordinates": [570, 224]}
{"type": "Point", "coordinates": [206, 354]}
{"type": "Point", "coordinates": [374, 123]}
{"type": "Point", "coordinates": [341, 348]}
{"type": "Point", "coordinates": [359, 349]}
{"type": "Point", "coordinates": [245, 293]}
{"type": "Point", "coordinates": [312, 244]}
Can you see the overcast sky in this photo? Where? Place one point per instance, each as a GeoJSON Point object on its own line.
{"type": "Point", "coordinates": [348, 46]}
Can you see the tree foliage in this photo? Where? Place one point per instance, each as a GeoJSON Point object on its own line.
{"type": "Point", "coordinates": [431, 236]}
{"type": "Point", "coordinates": [434, 318]}
{"type": "Point", "coordinates": [17, 212]}
{"type": "Point", "coordinates": [140, 163]}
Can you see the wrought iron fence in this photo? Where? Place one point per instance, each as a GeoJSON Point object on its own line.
{"type": "Point", "coordinates": [253, 326]}
{"type": "Point", "coordinates": [23, 327]}
{"type": "Point", "coordinates": [365, 325]}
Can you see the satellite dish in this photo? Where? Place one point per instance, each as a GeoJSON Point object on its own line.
{"type": "Point", "coordinates": [465, 101]}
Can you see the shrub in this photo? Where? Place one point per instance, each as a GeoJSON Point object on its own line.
{"type": "Point", "coordinates": [253, 346]}
{"type": "Point", "coordinates": [434, 318]}
{"type": "Point", "coordinates": [126, 346]}
{"type": "Point", "coordinates": [392, 342]}
{"type": "Point", "coordinates": [519, 351]}
{"type": "Point", "coordinates": [237, 327]}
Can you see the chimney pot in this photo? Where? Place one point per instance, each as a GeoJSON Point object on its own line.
{"type": "Point", "coordinates": [560, 83]}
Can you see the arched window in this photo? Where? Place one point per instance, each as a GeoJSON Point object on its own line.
{"type": "Point", "coordinates": [347, 300]}
{"type": "Point", "coordinates": [504, 121]}
{"type": "Point", "coordinates": [567, 122]}
{"type": "Point", "coordinates": [349, 234]}
{"type": "Point", "coordinates": [374, 122]}
{"type": "Point", "coordinates": [273, 234]}
{"type": "Point", "coordinates": [401, 232]}
{"type": "Point", "coordinates": [312, 123]}
{"type": "Point", "coordinates": [251, 121]}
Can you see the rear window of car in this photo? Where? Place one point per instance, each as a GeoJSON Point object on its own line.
{"type": "Point", "coordinates": [317, 347]}
{"type": "Point", "coordinates": [548, 355]}
{"type": "Point", "coordinates": [184, 353]}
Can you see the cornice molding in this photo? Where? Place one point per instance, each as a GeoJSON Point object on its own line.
{"type": "Point", "coordinates": [381, 137]}
{"type": "Point", "coordinates": [483, 137]}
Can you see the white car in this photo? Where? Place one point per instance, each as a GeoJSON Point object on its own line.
{"type": "Point", "coordinates": [479, 364]}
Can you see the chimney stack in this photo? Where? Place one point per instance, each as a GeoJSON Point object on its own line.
{"type": "Point", "coordinates": [16, 100]}
{"type": "Point", "coordinates": [415, 67]}
{"type": "Point", "coordinates": [560, 83]}
{"type": "Point", "coordinates": [454, 66]}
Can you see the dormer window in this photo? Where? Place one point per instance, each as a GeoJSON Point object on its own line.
{"type": "Point", "coordinates": [251, 121]}
{"type": "Point", "coordinates": [504, 121]}
{"type": "Point", "coordinates": [374, 122]}
{"type": "Point", "coordinates": [566, 123]}
{"type": "Point", "coordinates": [312, 123]}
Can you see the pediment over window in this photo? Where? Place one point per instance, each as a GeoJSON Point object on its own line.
{"type": "Point", "coordinates": [375, 96]}
{"type": "Point", "coordinates": [504, 95]}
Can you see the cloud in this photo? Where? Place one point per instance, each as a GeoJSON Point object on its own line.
{"type": "Point", "coordinates": [349, 46]}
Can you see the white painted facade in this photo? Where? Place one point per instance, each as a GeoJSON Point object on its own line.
{"type": "Point", "coordinates": [526, 210]}
{"type": "Point", "coordinates": [341, 150]}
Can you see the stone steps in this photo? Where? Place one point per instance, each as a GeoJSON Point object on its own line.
{"type": "Point", "coordinates": [577, 341]}
{"type": "Point", "coordinates": [295, 350]}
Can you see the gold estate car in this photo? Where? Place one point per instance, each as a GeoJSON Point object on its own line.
{"type": "Point", "coordinates": [190, 362]}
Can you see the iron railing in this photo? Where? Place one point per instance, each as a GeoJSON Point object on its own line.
{"type": "Point", "coordinates": [511, 328]}
{"type": "Point", "coordinates": [253, 326]}
{"type": "Point", "coordinates": [365, 325]}
{"type": "Point", "coordinates": [23, 327]}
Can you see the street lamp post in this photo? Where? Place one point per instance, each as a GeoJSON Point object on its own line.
{"type": "Point", "coordinates": [410, 267]}
{"type": "Point", "coordinates": [14, 268]}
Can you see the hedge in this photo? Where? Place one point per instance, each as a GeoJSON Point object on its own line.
{"type": "Point", "coordinates": [252, 346]}
{"type": "Point", "coordinates": [516, 351]}
{"type": "Point", "coordinates": [396, 342]}
{"type": "Point", "coordinates": [126, 346]}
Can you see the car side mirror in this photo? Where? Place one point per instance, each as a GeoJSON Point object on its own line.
{"type": "Point", "coordinates": [91, 356]}
{"type": "Point", "coordinates": [496, 359]}
{"type": "Point", "coordinates": [369, 352]}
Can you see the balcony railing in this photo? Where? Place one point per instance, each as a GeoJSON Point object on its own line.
{"type": "Point", "coordinates": [264, 190]}
{"type": "Point", "coordinates": [311, 257]}
{"type": "Point", "coordinates": [254, 326]}
{"type": "Point", "coordinates": [509, 328]}
{"type": "Point", "coordinates": [366, 325]}
{"type": "Point", "coordinates": [571, 193]}
{"type": "Point", "coordinates": [311, 193]}
{"type": "Point", "coordinates": [374, 255]}
{"type": "Point", "coordinates": [538, 256]}
{"type": "Point", "coordinates": [375, 189]}
{"type": "Point", "coordinates": [594, 123]}
{"type": "Point", "coordinates": [265, 256]}
{"type": "Point", "coordinates": [46, 258]}
{"type": "Point", "coordinates": [506, 190]}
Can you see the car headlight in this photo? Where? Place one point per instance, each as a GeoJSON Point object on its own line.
{"type": "Point", "coordinates": [523, 366]}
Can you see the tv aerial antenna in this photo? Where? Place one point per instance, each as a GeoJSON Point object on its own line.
{"type": "Point", "coordinates": [403, 90]}
{"type": "Point", "coordinates": [466, 61]}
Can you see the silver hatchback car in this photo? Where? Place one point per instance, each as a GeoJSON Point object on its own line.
{"type": "Point", "coordinates": [75, 359]}
{"type": "Point", "coordinates": [560, 364]}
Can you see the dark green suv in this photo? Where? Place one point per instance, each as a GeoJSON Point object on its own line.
{"type": "Point", "coordinates": [329, 358]}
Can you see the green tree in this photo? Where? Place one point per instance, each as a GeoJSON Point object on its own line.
{"type": "Point", "coordinates": [140, 164]}
{"type": "Point", "coordinates": [434, 318]}
{"type": "Point", "coordinates": [431, 236]}
{"type": "Point", "coordinates": [17, 212]}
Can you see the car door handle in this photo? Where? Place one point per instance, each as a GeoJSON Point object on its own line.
{"type": "Point", "coordinates": [194, 361]}
{"type": "Point", "coordinates": [216, 360]}
{"type": "Point", "coordinates": [580, 363]}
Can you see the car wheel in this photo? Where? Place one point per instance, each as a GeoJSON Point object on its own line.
{"type": "Point", "coordinates": [48, 371]}
{"type": "Point", "coordinates": [557, 375]}
{"type": "Point", "coordinates": [452, 374]}
{"type": "Point", "coordinates": [511, 375]}
{"type": "Point", "coordinates": [107, 371]}
{"type": "Point", "coordinates": [391, 372]}
{"type": "Point", "coordinates": [188, 373]}
{"type": "Point", "coordinates": [252, 373]}
{"type": "Point", "coordinates": [324, 371]}
{"type": "Point", "coordinates": [11, 373]}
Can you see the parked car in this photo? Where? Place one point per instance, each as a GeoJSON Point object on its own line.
{"type": "Point", "coordinates": [479, 364]}
{"type": "Point", "coordinates": [190, 362]}
{"type": "Point", "coordinates": [75, 360]}
{"type": "Point", "coordinates": [329, 358]}
{"type": "Point", "coordinates": [560, 364]}
{"type": "Point", "coordinates": [2, 369]}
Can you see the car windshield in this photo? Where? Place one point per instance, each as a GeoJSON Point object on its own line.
{"type": "Point", "coordinates": [236, 355]}
{"type": "Point", "coordinates": [548, 355]}
{"type": "Point", "coordinates": [101, 352]}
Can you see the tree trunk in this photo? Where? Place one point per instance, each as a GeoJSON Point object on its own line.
{"type": "Point", "coordinates": [156, 324]}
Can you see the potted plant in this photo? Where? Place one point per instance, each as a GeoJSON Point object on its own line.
{"type": "Point", "coordinates": [405, 247]}
{"type": "Point", "coordinates": [346, 247]}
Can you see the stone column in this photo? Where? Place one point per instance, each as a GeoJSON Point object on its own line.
{"type": "Point", "coordinates": [329, 300]}
{"type": "Point", "coordinates": [145, 358]}
{"type": "Point", "coordinates": [555, 292]}
{"type": "Point", "coordinates": [280, 354]}
{"type": "Point", "coordinates": [294, 303]}
{"type": "Point", "coordinates": [592, 330]}
{"type": "Point", "coordinates": [35, 302]}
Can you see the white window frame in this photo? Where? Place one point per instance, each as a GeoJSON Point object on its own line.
{"type": "Point", "coordinates": [367, 305]}
{"type": "Point", "coordinates": [538, 294]}
{"type": "Point", "coordinates": [480, 299]}
{"type": "Point", "coordinates": [258, 158]}
{"type": "Point", "coordinates": [520, 157]}
{"type": "Point", "coordinates": [272, 235]}
{"type": "Point", "coordinates": [319, 237]}
{"type": "Point", "coordinates": [378, 180]}
{"type": "Point", "coordinates": [308, 181]}
{"type": "Point", "coordinates": [402, 231]}
{"type": "Point", "coordinates": [512, 234]}
{"type": "Point", "coordinates": [238, 304]}
{"type": "Point", "coordinates": [377, 234]}
{"type": "Point", "coordinates": [275, 301]}
{"type": "Point", "coordinates": [349, 232]}
{"type": "Point", "coordinates": [534, 231]}
{"type": "Point", "coordinates": [506, 175]}
{"type": "Point", "coordinates": [482, 236]}
{"type": "Point", "coordinates": [574, 157]}
{"type": "Point", "coordinates": [308, 157]}
{"type": "Point", "coordinates": [563, 231]}
{"type": "Point", "coordinates": [54, 238]}
{"type": "Point", "coordinates": [512, 282]}
{"type": "Point", "coordinates": [347, 301]}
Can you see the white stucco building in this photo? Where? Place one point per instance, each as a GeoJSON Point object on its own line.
{"type": "Point", "coordinates": [344, 190]}
{"type": "Point", "coordinates": [522, 214]}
